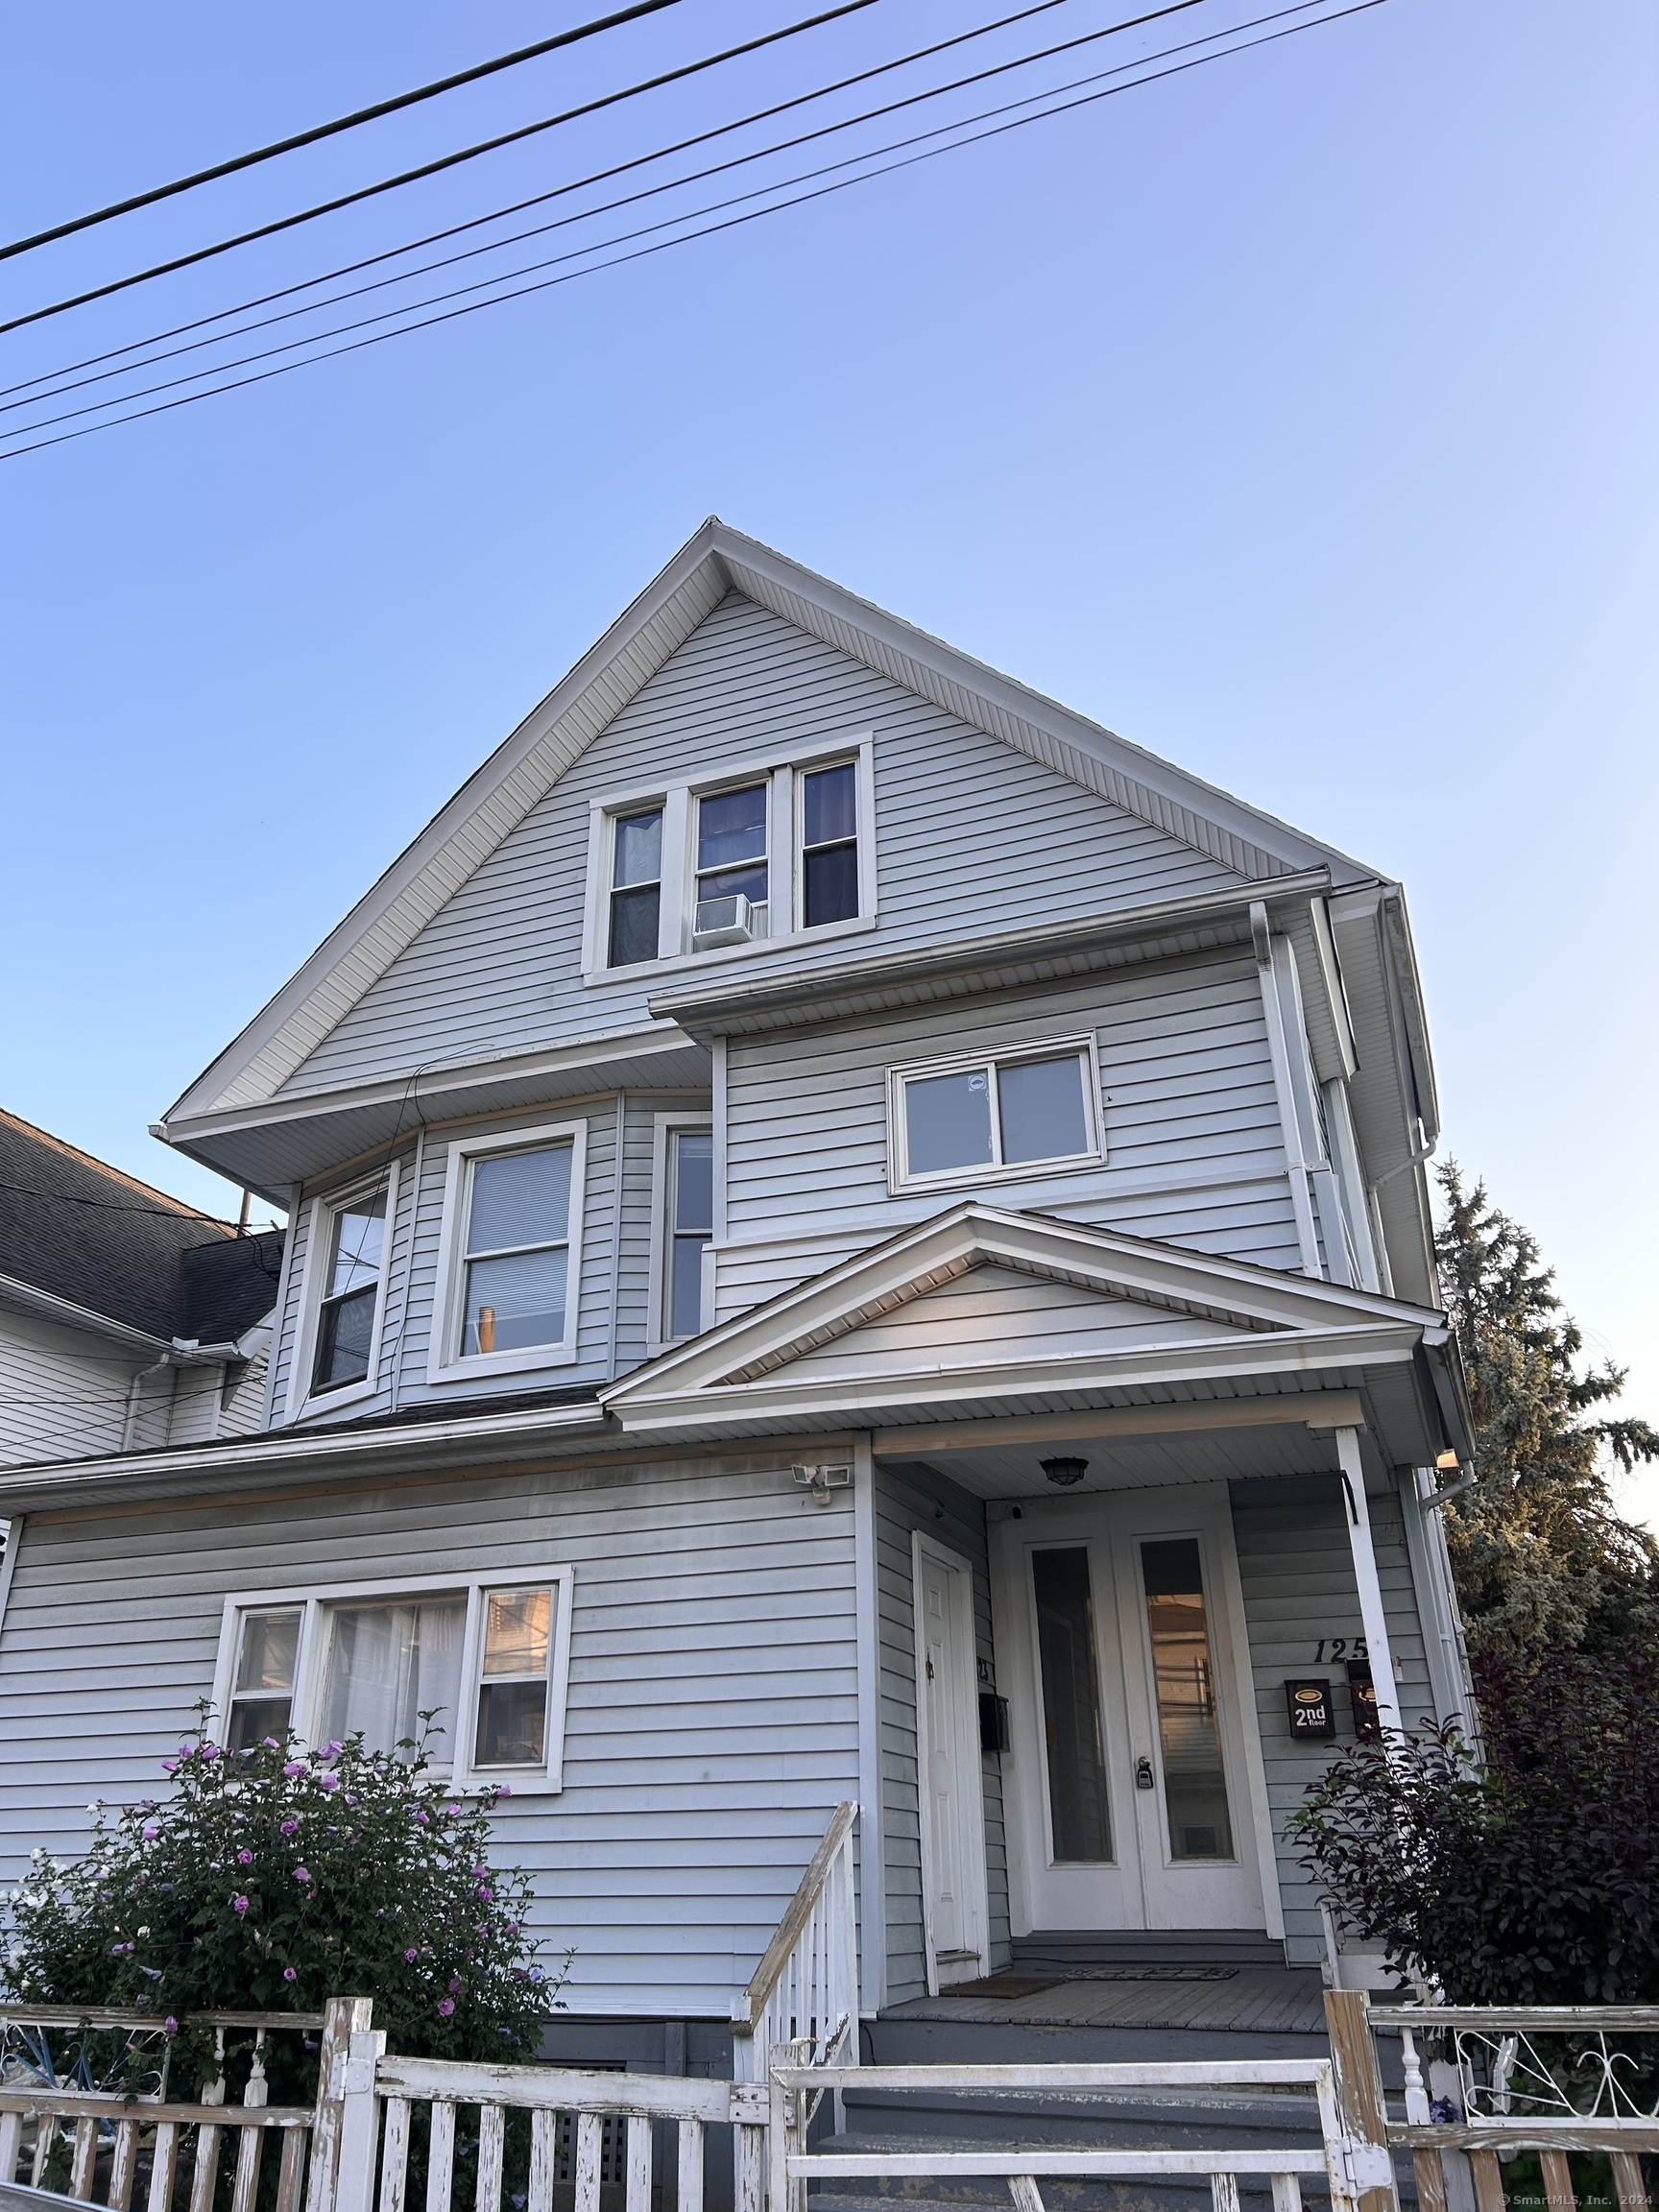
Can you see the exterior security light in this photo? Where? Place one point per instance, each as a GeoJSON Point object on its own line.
{"type": "Point", "coordinates": [1065, 1472]}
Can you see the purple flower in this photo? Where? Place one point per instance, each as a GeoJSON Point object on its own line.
{"type": "Point", "coordinates": [478, 1872]}
{"type": "Point", "coordinates": [289, 1828]}
{"type": "Point", "coordinates": [423, 1819]}
{"type": "Point", "coordinates": [239, 1906]}
{"type": "Point", "coordinates": [301, 1874]}
{"type": "Point", "coordinates": [512, 1927]}
{"type": "Point", "coordinates": [455, 1981]}
{"type": "Point", "coordinates": [446, 2005]}
{"type": "Point", "coordinates": [411, 1955]}
{"type": "Point", "coordinates": [244, 1857]}
{"type": "Point", "coordinates": [330, 1781]}
{"type": "Point", "coordinates": [288, 1974]}
{"type": "Point", "coordinates": [503, 1789]}
{"type": "Point", "coordinates": [451, 1808]}
{"type": "Point", "coordinates": [169, 2026]}
{"type": "Point", "coordinates": [294, 1768]}
{"type": "Point", "coordinates": [209, 1750]}
{"type": "Point", "coordinates": [169, 1766]}
{"type": "Point", "coordinates": [486, 1893]}
{"type": "Point", "coordinates": [272, 1744]}
{"type": "Point", "coordinates": [332, 1750]}
{"type": "Point", "coordinates": [150, 1831]}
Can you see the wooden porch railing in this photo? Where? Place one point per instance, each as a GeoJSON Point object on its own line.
{"type": "Point", "coordinates": [805, 1991]}
{"type": "Point", "coordinates": [116, 2140]}
{"type": "Point", "coordinates": [1482, 2083]}
{"type": "Point", "coordinates": [1350, 2168]}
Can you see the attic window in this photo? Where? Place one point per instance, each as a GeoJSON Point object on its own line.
{"type": "Point", "coordinates": [509, 1253]}
{"type": "Point", "coordinates": [990, 1116]}
{"type": "Point", "coordinates": [347, 1319]}
{"type": "Point", "coordinates": [635, 887]}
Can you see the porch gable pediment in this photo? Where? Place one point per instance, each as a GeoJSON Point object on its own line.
{"type": "Point", "coordinates": [980, 1301]}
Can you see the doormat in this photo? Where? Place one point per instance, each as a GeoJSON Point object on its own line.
{"type": "Point", "coordinates": [1034, 1985]}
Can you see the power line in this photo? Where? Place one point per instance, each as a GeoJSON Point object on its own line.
{"type": "Point", "coordinates": [759, 153]}
{"type": "Point", "coordinates": [341, 122]}
{"type": "Point", "coordinates": [434, 168]}
{"type": "Point", "coordinates": [182, 1213]}
{"type": "Point", "coordinates": [560, 191]}
{"type": "Point", "coordinates": [1361, 7]}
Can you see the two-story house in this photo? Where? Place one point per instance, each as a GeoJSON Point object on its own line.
{"type": "Point", "coordinates": [854, 1235]}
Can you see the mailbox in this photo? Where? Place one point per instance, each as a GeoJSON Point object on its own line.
{"type": "Point", "coordinates": [1362, 1695]}
{"type": "Point", "coordinates": [994, 1733]}
{"type": "Point", "coordinates": [1308, 1701]}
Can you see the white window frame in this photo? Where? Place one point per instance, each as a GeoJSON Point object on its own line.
{"type": "Point", "coordinates": [303, 1399]}
{"type": "Point", "coordinates": [662, 1131]}
{"type": "Point", "coordinates": [992, 1056]}
{"type": "Point", "coordinates": [785, 876]}
{"type": "Point", "coordinates": [314, 1602]}
{"type": "Point", "coordinates": [446, 1361]}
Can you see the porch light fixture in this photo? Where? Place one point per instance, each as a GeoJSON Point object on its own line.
{"type": "Point", "coordinates": [1446, 1462]}
{"type": "Point", "coordinates": [1064, 1472]}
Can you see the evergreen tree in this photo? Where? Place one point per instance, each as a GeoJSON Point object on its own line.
{"type": "Point", "coordinates": [1541, 1553]}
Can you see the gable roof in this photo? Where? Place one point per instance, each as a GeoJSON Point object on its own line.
{"type": "Point", "coordinates": [714, 562]}
{"type": "Point", "coordinates": [88, 1235]}
{"type": "Point", "coordinates": [1154, 1319]}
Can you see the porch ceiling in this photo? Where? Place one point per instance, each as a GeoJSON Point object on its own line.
{"type": "Point", "coordinates": [1133, 1462]}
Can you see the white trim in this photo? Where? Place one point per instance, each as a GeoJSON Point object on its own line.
{"type": "Point", "coordinates": [444, 1360]}
{"type": "Point", "coordinates": [871, 1818]}
{"type": "Point", "coordinates": [13, 1526]}
{"type": "Point", "coordinates": [313, 1599]}
{"type": "Point", "coordinates": [1083, 1046]}
{"type": "Point", "coordinates": [1296, 1166]}
{"type": "Point", "coordinates": [781, 773]}
{"type": "Point", "coordinates": [662, 1127]}
{"type": "Point", "coordinates": [301, 1399]}
{"type": "Point", "coordinates": [1225, 1545]}
{"type": "Point", "coordinates": [1365, 1575]}
{"type": "Point", "coordinates": [964, 1753]}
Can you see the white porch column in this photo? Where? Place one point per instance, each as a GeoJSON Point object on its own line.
{"type": "Point", "coordinates": [1366, 1574]}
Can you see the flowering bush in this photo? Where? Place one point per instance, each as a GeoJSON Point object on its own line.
{"type": "Point", "coordinates": [273, 1879]}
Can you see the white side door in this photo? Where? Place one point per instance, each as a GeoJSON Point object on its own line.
{"type": "Point", "coordinates": [951, 1794]}
{"type": "Point", "coordinates": [1135, 1794]}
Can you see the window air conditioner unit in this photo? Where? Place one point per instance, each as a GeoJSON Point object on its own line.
{"type": "Point", "coordinates": [730, 921]}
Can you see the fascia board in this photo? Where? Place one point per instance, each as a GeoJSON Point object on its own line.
{"type": "Point", "coordinates": [938, 1389]}
{"type": "Point", "coordinates": [304, 1453]}
{"type": "Point", "coordinates": [1159, 927]}
{"type": "Point", "coordinates": [928, 1254]}
{"type": "Point", "coordinates": [46, 1306]}
{"type": "Point", "coordinates": [463, 834]}
{"type": "Point", "coordinates": [1404, 954]}
{"type": "Point", "coordinates": [986, 698]}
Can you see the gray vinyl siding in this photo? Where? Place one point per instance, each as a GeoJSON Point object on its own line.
{"type": "Point", "coordinates": [499, 968]}
{"type": "Point", "coordinates": [63, 1395]}
{"type": "Point", "coordinates": [908, 1497]}
{"type": "Point", "coordinates": [1297, 1573]}
{"type": "Point", "coordinates": [1193, 1147]}
{"type": "Point", "coordinates": [713, 1717]}
{"type": "Point", "coordinates": [243, 1411]}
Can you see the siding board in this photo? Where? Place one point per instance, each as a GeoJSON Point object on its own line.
{"type": "Point", "coordinates": [713, 1698]}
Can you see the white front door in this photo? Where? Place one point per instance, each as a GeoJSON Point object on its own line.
{"type": "Point", "coordinates": [951, 1799]}
{"type": "Point", "coordinates": [1134, 1783]}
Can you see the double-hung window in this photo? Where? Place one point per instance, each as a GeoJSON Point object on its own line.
{"type": "Point", "coordinates": [828, 844]}
{"type": "Point", "coordinates": [350, 1252]}
{"type": "Point", "coordinates": [687, 1186]}
{"type": "Point", "coordinates": [509, 1253]}
{"type": "Point", "coordinates": [757, 853]}
{"type": "Point", "coordinates": [973, 1118]}
{"type": "Point", "coordinates": [732, 876]}
{"type": "Point", "coordinates": [477, 1667]}
{"type": "Point", "coordinates": [635, 913]}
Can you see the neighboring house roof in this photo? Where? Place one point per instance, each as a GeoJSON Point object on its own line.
{"type": "Point", "coordinates": [86, 1234]}
{"type": "Point", "coordinates": [714, 562]}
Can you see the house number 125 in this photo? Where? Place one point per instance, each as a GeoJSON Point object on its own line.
{"type": "Point", "coordinates": [1334, 1647]}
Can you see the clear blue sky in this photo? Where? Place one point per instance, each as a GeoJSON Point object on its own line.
{"type": "Point", "coordinates": [1295, 417]}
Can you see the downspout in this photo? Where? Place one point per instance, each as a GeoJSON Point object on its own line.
{"type": "Point", "coordinates": [130, 1419]}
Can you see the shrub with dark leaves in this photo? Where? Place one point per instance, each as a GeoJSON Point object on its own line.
{"type": "Point", "coordinates": [1530, 1879]}
{"type": "Point", "coordinates": [273, 1879]}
